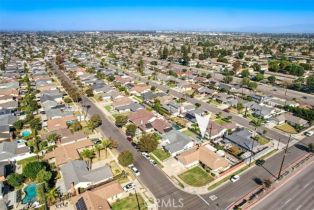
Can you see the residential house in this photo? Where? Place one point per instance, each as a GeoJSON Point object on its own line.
{"type": "Point", "coordinates": [142, 119]}
{"type": "Point", "coordinates": [291, 119]}
{"type": "Point", "coordinates": [76, 174]}
{"type": "Point", "coordinates": [205, 156]}
{"type": "Point", "coordinates": [14, 151]}
{"type": "Point", "coordinates": [242, 137]}
{"type": "Point", "coordinates": [59, 123]}
{"type": "Point", "coordinates": [176, 142]}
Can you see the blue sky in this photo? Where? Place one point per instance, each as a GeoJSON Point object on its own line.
{"type": "Point", "coordinates": [225, 15]}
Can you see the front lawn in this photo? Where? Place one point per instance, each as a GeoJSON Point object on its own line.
{"type": "Point", "coordinates": [221, 121]}
{"type": "Point", "coordinates": [285, 127]}
{"type": "Point", "coordinates": [161, 154]}
{"type": "Point", "coordinates": [130, 203]}
{"type": "Point", "coordinates": [261, 140]}
{"type": "Point", "coordinates": [108, 108]}
{"type": "Point", "coordinates": [27, 160]}
{"type": "Point", "coordinates": [196, 177]}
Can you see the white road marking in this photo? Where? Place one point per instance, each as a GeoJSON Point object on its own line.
{"type": "Point", "coordinates": [203, 199]}
{"type": "Point", "coordinates": [299, 207]}
{"type": "Point", "coordinates": [287, 202]}
{"type": "Point", "coordinates": [213, 197]}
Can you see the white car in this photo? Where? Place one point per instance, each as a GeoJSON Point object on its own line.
{"type": "Point", "coordinates": [146, 155]}
{"type": "Point", "coordinates": [135, 170]}
{"type": "Point", "coordinates": [129, 187]}
{"type": "Point", "coordinates": [235, 178]}
{"type": "Point", "coordinates": [309, 133]}
{"type": "Point", "coordinates": [152, 161]}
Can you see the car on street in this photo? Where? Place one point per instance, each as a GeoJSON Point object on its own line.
{"type": "Point", "coordinates": [134, 169]}
{"type": "Point", "coordinates": [129, 187]}
{"type": "Point", "coordinates": [152, 161]}
{"type": "Point", "coordinates": [259, 162]}
{"type": "Point", "coordinates": [235, 178]}
{"type": "Point", "coordinates": [146, 155]}
{"type": "Point", "coordinates": [309, 133]}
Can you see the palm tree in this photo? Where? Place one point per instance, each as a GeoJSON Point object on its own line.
{"type": "Point", "coordinates": [98, 148]}
{"type": "Point", "coordinates": [53, 137]}
{"type": "Point", "coordinates": [88, 154]}
{"type": "Point", "coordinates": [106, 143]}
{"type": "Point", "coordinates": [52, 195]}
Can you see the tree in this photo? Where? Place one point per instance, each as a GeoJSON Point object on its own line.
{"type": "Point", "coordinates": [236, 66]}
{"type": "Point", "coordinates": [240, 55]}
{"type": "Point", "coordinates": [98, 148]}
{"type": "Point", "coordinates": [94, 122]}
{"type": "Point", "coordinates": [88, 154]}
{"type": "Point", "coordinates": [256, 67]}
{"type": "Point", "coordinates": [53, 137]}
{"type": "Point", "coordinates": [15, 179]}
{"type": "Point", "coordinates": [310, 82]}
{"type": "Point", "coordinates": [18, 125]}
{"type": "Point", "coordinates": [31, 169]}
{"type": "Point", "coordinates": [227, 79]}
{"type": "Point", "coordinates": [106, 144]}
{"type": "Point", "coordinates": [252, 85]}
{"type": "Point", "coordinates": [140, 66]}
{"type": "Point", "coordinates": [245, 73]}
{"type": "Point", "coordinates": [126, 158]}
{"type": "Point", "coordinates": [121, 120]}
{"type": "Point", "coordinates": [148, 142]}
{"type": "Point", "coordinates": [43, 176]}
{"type": "Point", "coordinates": [267, 183]}
{"type": "Point", "coordinates": [271, 79]}
{"type": "Point", "coordinates": [258, 77]}
{"type": "Point", "coordinates": [52, 195]}
{"type": "Point", "coordinates": [35, 124]}
{"type": "Point", "coordinates": [311, 147]}
{"type": "Point", "coordinates": [76, 126]}
{"type": "Point", "coordinates": [89, 92]}
{"type": "Point", "coordinates": [131, 130]}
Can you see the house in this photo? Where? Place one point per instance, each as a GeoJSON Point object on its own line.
{"type": "Point", "coordinates": [242, 137]}
{"type": "Point", "coordinates": [59, 123]}
{"type": "Point", "coordinates": [76, 174]}
{"type": "Point", "coordinates": [57, 113]}
{"type": "Point", "coordinates": [190, 115]}
{"type": "Point", "coordinates": [175, 142]}
{"type": "Point", "coordinates": [7, 119]}
{"type": "Point", "coordinates": [123, 101]}
{"type": "Point", "coordinates": [259, 98]}
{"type": "Point", "coordinates": [6, 168]}
{"type": "Point", "coordinates": [68, 152]}
{"type": "Point", "coordinates": [134, 106]}
{"type": "Point", "coordinates": [142, 119]}
{"type": "Point", "coordinates": [5, 134]}
{"type": "Point", "coordinates": [99, 197]}
{"type": "Point", "coordinates": [139, 89]}
{"type": "Point", "coordinates": [226, 87]}
{"type": "Point", "coordinates": [265, 112]}
{"type": "Point", "coordinates": [52, 95]}
{"type": "Point", "coordinates": [14, 151]}
{"type": "Point", "coordinates": [214, 130]}
{"type": "Point", "coordinates": [161, 126]}
{"type": "Point", "coordinates": [291, 119]}
{"type": "Point", "coordinates": [205, 156]}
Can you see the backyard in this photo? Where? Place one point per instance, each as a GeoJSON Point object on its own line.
{"type": "Point", "coordinates": [130, 203]}
{"type": "Point", "coordinates": [196, 177]}
{"type": "Point", "coordinates": [285, 127]}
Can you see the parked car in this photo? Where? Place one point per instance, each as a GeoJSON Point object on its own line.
{"type": "Point", "coordinates": [96, 141]}
{"type": "Point", "coordinates": [235, 178]}
{"type": "Point", "coordinates": [146, 155]}
{"type": "Point", "coordinates": [129, 187]}
{"type": "Point", "coordinates": [152, 161]}
{"type": "Point", "coordinates": [309, 133]}
{"type": "Point", "coordinates": [134, 169]}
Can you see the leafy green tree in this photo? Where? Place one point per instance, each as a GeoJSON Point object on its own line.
{"type": "Point", "coordinates": [31, 169]}
{"type": "Point", "coordinates": [98, 148]}
{"type": "Point", "coordinates": [35, 124]}
{"type": "Point", "coordinates": [121, 120]}
{"type": "Point", "coordinates": [15, 179]}
{"type": "Point", "coordinates": [256, 67]}
{"type": "Point", "coordinates": [227, 79]}
{"type": "Point", "coordinates": [310, 82]}
{"type": "Point", "coordinates": [252, 85]}
{"type": "Point", "coordinates": [271, 79]}
{"type": "Point", "coordinates": [52, 196]}
{"type": "Point", "coordinates": [245, 73]}
{"type": "Point", "coordinates": [53, 137]}
{"type": "Point", "coordinates": [75, 126]}
{"type": "Point", "coordinates": [131, 130]}
{"type": "Point", "coordinates": [148, 142]}
{"type": "Point", "coordinates": [95, 121]}
{"type": "Point", "coordinates": [126, 158]}
{"type": "Point", "coordinates": [43, 176]}
{"type": "Point", "coordinates": [18, 125]}
{"type": "Point", "coordinates": [259, 77]}
{"type": "Point", "coordinates": [89, 92]}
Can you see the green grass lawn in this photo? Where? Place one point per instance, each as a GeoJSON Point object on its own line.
{"type": "Point", "coordinates": [196, 177]}
{"type": "Point", "coordinates": [285, 127]}
{"type": "Point", "coordinates": [130, 203]}
{"type": "Point", "coordinates": [189, 133]}
{"type": "Point", "coordinates": [220, 121]}
{"type": "Point", "coordinates": [161, 154]}
{"type": "Point", "coordinates": [262, 140]}
{"type": "Point", "coordinates": [108, 108]}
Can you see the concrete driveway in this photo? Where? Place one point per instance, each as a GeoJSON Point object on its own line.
{"type": "Point", "coordinates": [172, 167]}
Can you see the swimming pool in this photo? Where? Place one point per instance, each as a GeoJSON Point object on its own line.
{"type": "Point", "coordinates": [26, 133]}
{"type": "Point", "coordinates": [30, 192]}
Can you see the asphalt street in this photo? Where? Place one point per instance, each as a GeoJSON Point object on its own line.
{"type": "Point", "coordinates": [297, 194]}
{"type": "Point", "coordinates": [171, 197]}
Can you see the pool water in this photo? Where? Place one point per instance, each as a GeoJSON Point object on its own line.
{"type": "Point", "coordinates": [30, 192]}
{"type": "Point", "coordinates": [26, 133]}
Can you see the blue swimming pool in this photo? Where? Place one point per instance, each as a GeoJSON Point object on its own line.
{"type": "Point", "coordinates": [26, 133]}
{"type": "Point", "coordinates": [30, 192]}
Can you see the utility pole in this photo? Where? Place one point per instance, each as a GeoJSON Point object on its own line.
{"type": "Point", "coordinates": [278, 143]}
{"type": "Point", "coordinates": [283, 158]}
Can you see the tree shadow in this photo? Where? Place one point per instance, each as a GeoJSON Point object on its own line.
{"type": "Point", "coordinates": [302, 147]}
{"type": "Point", "coordinates": [258, 181]}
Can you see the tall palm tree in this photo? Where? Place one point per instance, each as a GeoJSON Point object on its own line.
{"type": "Point", "coordinates": [88, 154]}
{"type": "Point", "coordinates": [98, 148]}
{"type": "Point", "coordinates": [106, 143]}
{"type": "Point", "coordinates": [52, 195]}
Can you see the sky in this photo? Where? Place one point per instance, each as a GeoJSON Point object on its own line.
{"type": "Point", "coordinates": [204, 15]}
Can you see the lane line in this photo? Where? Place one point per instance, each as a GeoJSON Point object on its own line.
{"type": "Point", "coordinates": [203, 199]}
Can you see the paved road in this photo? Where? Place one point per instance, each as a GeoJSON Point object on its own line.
{"type": "Point", "coordinates": [266, 89]}
{"type": "Point", "coordinates": [170, 196]}
{"type": "Point", "coordinates": [297, 194]}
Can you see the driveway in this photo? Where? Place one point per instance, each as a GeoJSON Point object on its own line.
{"type": "Point", "coordinates": [172, 167]}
